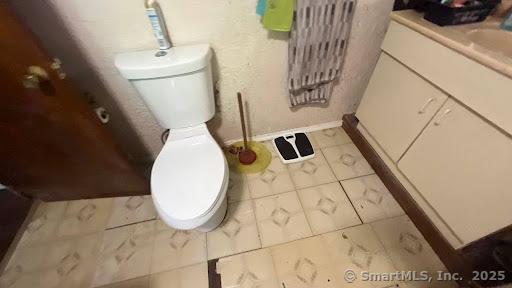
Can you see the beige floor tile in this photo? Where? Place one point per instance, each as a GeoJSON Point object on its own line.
{"type": "Point", "coordinates": [371, 198]}
{"type": "Point", "coordinates": [406, 246]}
{"type": "Point", "coordinates": [311, 172]}
{"type": "Point", "coordinates": [85, 216]}
{"type": "Point", "coordinates": [16, 277]}
{"type": "Point", "coordinates": [27, 259]}
{"type": "Point", "coordinates": [327, 208]}
{"type": "Point", "coordinates": [62, 263]}
{"type": "Point", "coordinates": [238, 187]}
{"type": "Point", "coordinates": [270, 146]}
{"type": "Point", "coordinates": [237, 233]}
{"type": "Point", "coordinates": [273, 180]}
{"type": "Point", "coordinates": [281, 219]}
{"type": "Point", "coordinates": [358, 249]}
{"type": "Point", "coordinates": [346, 161]}
{"type": "Point", "coordinates": [177, 248]}
{"type": "Point", "coordinates": [142, 282]}
{"type": "Point", "coordinates": [331, 137]}
{"type": "Point", "coordinates": [247, 270]}
{"type": "Point", "coordinates": [125, 253]}
{"type": "Point", "coordinates": [195, 276]}
{"type": "Point", "coordinates": [425, 284]}
{"type": "Point", "coordinates": [305, 263]}
{"type": "Point", "coordinates": [44, 223]}
{"type": "Point", "coordinates": [74, 261]}
{"type": "Point", "coordinates": [312, 140]}
{"type": "Point", "coordinates": [129, 210]}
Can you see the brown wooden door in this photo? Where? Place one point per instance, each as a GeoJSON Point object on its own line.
{"type": "Point", "coordinates": [52, 146]}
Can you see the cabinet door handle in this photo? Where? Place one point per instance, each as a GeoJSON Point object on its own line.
{"type": "Point", "coordinates": [438, 121]}
{"type": "Point", "coordinates": [424, 108]}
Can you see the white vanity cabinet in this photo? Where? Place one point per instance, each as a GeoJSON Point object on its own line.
{"type": "Point", "coordinates": [442, 123]}
{"type": "Point", "coordinates": [397, 105]}
{"type": "Point", "coordinates": [462, 166]}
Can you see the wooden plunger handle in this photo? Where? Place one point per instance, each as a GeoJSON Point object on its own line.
{"type": "Point", "coordinates": [242, 118]}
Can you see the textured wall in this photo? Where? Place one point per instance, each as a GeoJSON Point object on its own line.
{"type": "Point", "coordinates": [247, 58]}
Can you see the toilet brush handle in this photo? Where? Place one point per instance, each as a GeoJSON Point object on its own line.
{"type": "Point", "coordinates": [242, 118]}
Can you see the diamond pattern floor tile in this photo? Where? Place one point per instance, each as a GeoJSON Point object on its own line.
{"type": "Point", "coordinates": [328, 208]}
{"type": "Point", "coordinates": [118, 243]}
{"type": "Point", "coordinates": [237, 233]}
{"type": "Point", "coordinates": [371, 198]}
{"type": "Point", "coordinates": [347, 161]}
{"type": "Point", "coordinates": [281, 219]}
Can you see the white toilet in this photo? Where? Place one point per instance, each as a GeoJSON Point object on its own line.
{"type": "Point", "coordinates": [190, 176]}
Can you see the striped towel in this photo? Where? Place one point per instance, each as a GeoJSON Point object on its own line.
{"type": "Point", "coordinates": [317, 48]}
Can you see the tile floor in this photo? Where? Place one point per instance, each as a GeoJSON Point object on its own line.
{"type": "Point", "coordinates": [298, 225]}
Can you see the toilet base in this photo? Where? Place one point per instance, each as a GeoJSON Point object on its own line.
{"type": "Point", "coordinates": [216, 219]}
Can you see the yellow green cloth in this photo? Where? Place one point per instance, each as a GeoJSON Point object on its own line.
{"type": "Point", "coordinates": [278, 15]}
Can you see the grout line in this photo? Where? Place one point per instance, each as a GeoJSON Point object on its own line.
{"type": "Point", "coordinates": [329, 163]}
{"type": "Point", "coordinates": [129, 224]}
{"type": "Point", "coordinates": [153, 247]}
{"type": "Point", "coordinates": [206, 236]}
{"type": "Point", "coordinates": [238, 253]}
{"type": "Point", "coordinates": [304, 211]}
{"type": "Point", "coordinates": [351, 203]}
{"type": "Point", "coordinates": [385, 249]}
{"type": "Point", "coordinates": [253, 203]}
{"type": "Point", "coordinates": [360, 176]}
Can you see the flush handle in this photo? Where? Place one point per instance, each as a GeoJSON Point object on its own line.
{"type": "Point", "coordinates": [34, 77]}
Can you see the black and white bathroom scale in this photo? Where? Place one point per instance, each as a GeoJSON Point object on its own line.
{"type": "Point", "coordinates": [294, 148]}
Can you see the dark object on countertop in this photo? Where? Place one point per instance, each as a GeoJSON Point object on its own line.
{"type": "Point", "coordinates": [474, 11]}
{"type": "Point", "coordinates": [418, 5]}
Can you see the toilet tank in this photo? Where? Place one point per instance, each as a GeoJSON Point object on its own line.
{"type": "Point", "coordinates": [176, 84]}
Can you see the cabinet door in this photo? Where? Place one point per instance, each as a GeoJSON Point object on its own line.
{"type": "Point", "coordinates": [397, 105]}
{"type": "Point", "coordinates": [462, 166]}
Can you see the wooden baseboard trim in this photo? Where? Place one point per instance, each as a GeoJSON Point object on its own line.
{"type": "Point", "coordinates": [450, 257]}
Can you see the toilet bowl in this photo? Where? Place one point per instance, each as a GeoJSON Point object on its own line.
{"type": "Point", "coordinates": [189, 180]}
{"type": "Point", "coordinates": [190, 176]}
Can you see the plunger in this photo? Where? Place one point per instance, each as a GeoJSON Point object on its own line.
{"type": "Point", "coordinates": [246, 156]}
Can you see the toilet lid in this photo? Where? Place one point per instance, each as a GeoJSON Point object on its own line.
{"type": "Point", "coordinates": [187, 177]}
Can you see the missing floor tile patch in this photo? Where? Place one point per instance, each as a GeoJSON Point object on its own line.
{"type": "Point", "coordinates": [213, 277]}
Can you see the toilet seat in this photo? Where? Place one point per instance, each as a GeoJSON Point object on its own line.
{"type": "Point", "coordinates": [188, 174]}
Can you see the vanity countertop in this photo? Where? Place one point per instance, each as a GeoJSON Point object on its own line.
{"type": "Point", "coordinates": [483, 42]}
